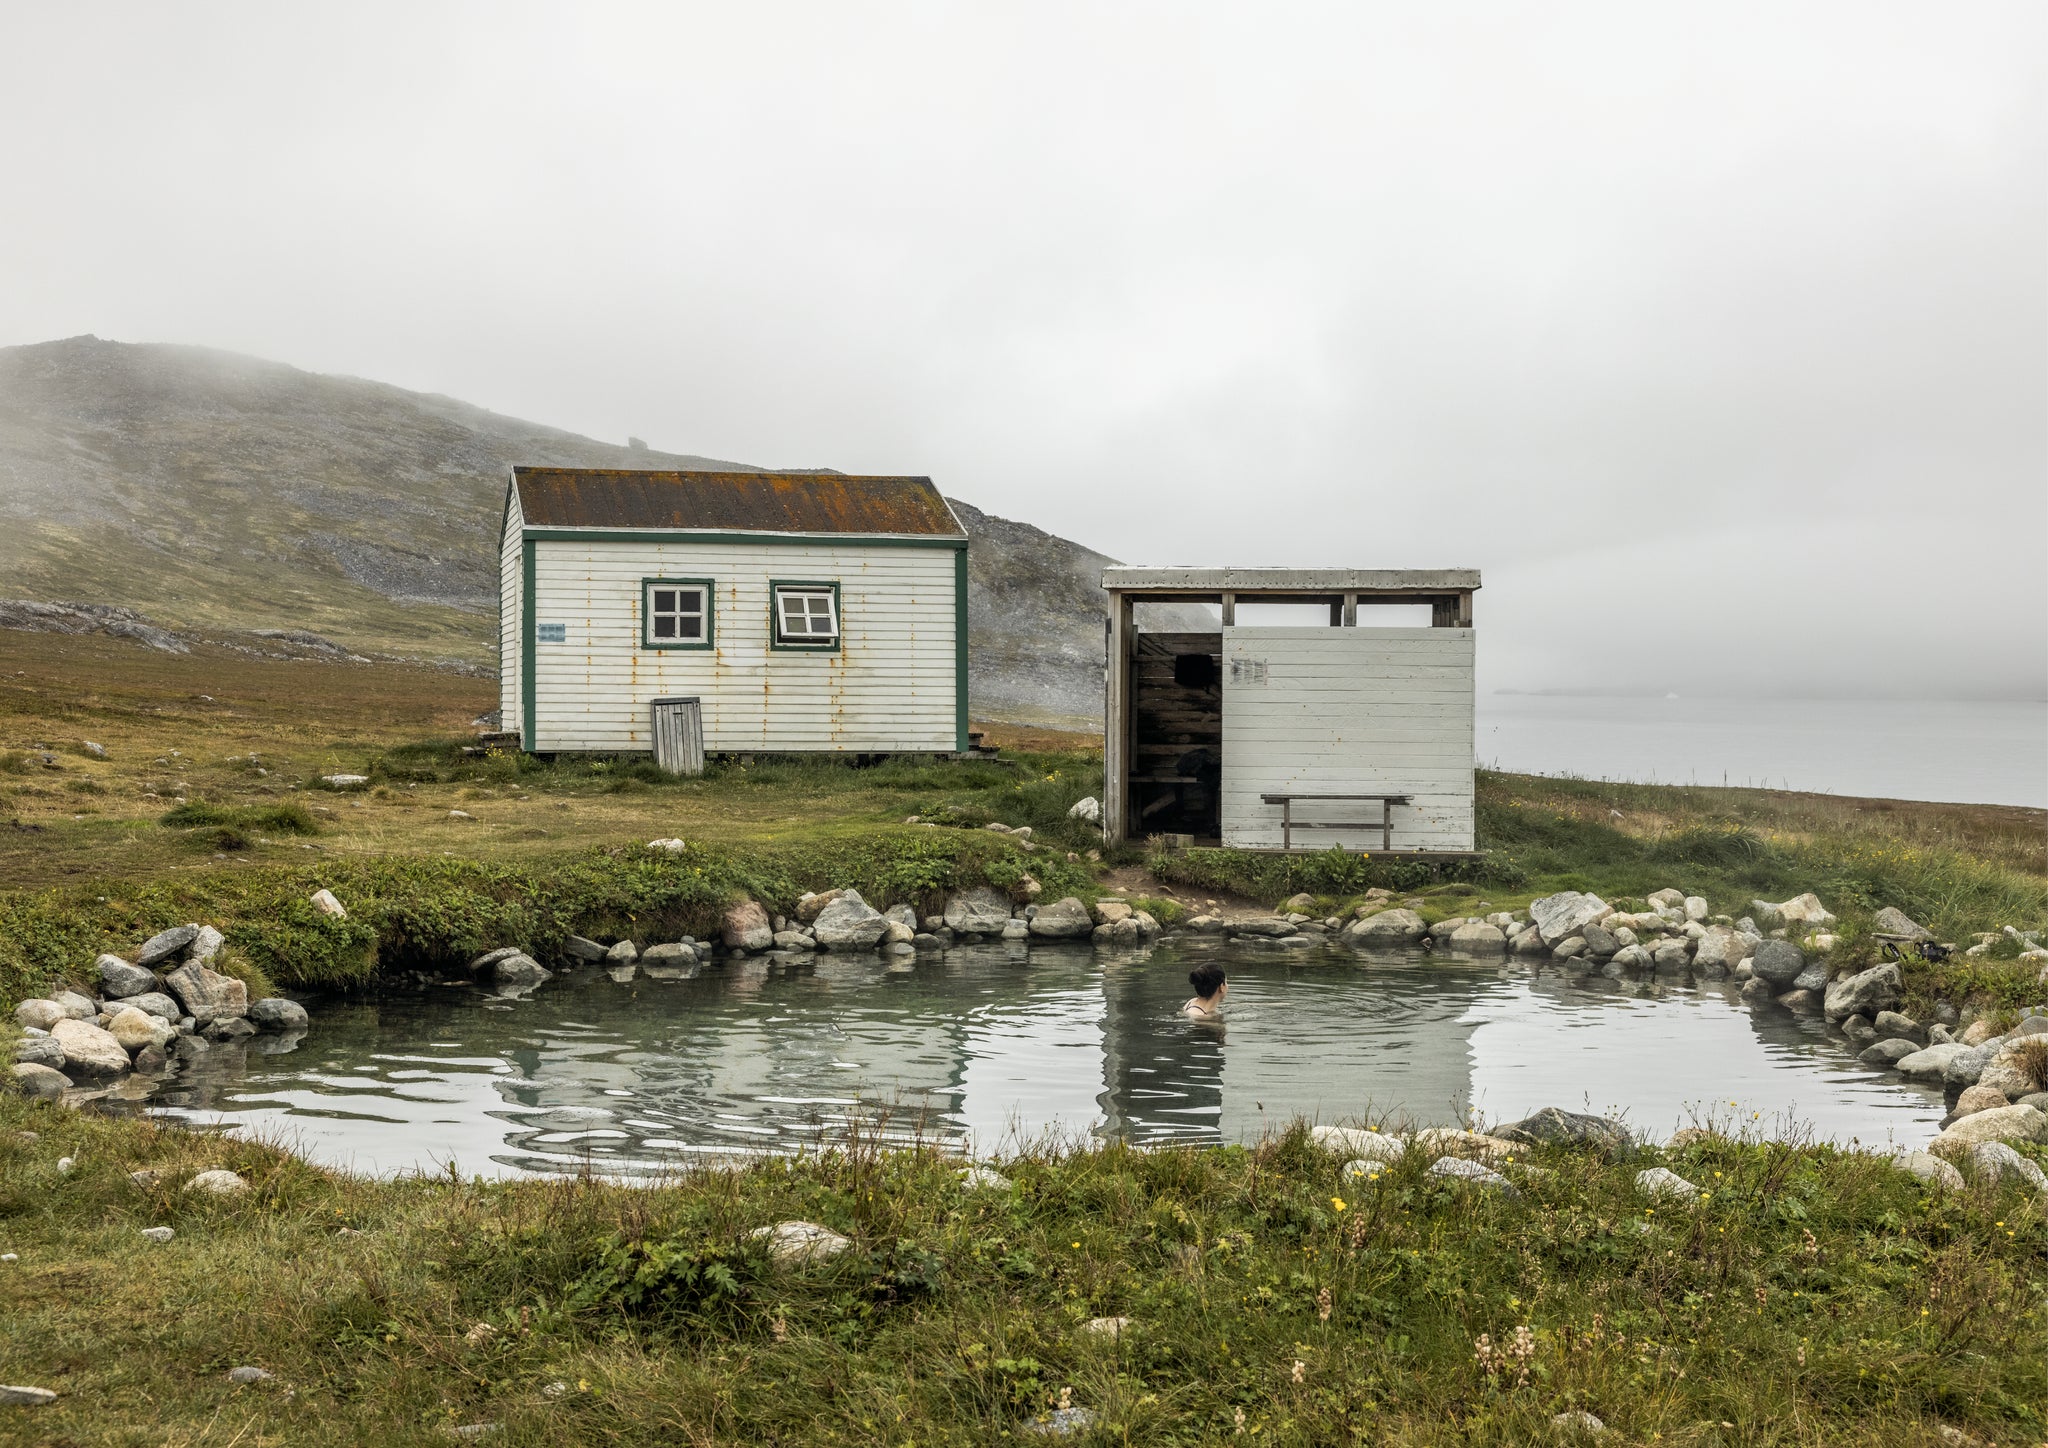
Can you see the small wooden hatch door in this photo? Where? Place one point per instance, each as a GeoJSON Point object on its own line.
{"type": "Point", "coordinates": [677, 726]}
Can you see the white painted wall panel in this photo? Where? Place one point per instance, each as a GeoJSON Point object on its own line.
{"type": "Point", "coordinates": [890, 688]}
{"type": "Point", "coordinates": [1341, 711]}
{"type": "Point", "coordinates": [510, 581]}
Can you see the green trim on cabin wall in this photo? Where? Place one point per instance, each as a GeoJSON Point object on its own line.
{"type": "Point", "coordinates": [960, 651]}
{"type": "Point", "coordinates": [527, 692]}
{"type": "Point", "coordinates": [775, 643]}
{"type": "Point", "coordinates": [710, 588]}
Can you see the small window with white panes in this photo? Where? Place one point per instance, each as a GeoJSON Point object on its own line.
{"type": "Point", "coordinates": [677, 613]}
{"type": "Point", "coordinates": [806, 615]}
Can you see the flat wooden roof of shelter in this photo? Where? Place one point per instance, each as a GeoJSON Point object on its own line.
{"type": "Point", "coordinates": [1252, 585]}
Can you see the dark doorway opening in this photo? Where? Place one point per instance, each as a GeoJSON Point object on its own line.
{"type": "Point", "coordinates": [1176, 752]}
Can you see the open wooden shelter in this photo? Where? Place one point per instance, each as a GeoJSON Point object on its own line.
{"type": "Point", "coordinates": [1290, 737]}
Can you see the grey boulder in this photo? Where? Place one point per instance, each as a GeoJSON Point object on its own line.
{"type": "Point", "coordinates": [40, 1051]}
{"type": "Point", "coordinates": [1888, 1052]}
{"type": "Point", "coordinates": [208, 995]}
{"type": "Point", "coordinates": [978, 911]}
{"type": "Point", "coordinates": [745, 926]}
{"type": "Point", "coordinates": [673, 953]}
{"type": "Point", "coordinates": [275, 1013]}
{"type": "Point", "coordinates": [166, 943]}
{"type": "Point", "coordinates": [1995, 1161]}
{"type": "Point", "coordinates": [1889, 1024]}
{"type": "Point", "coordinates": [849, 923]}
{"type": "Point", "coordinates": [1966, 1067]}
{"type": "Point", "coordinates": [1723, 947]}
{"type": "Point", "coordinates": [1388, 927]}
{"type": "Point", "coordinates": [1066, 919]}
{"type": "Point", "coordinates": [1879, 988]}
{"type": "Point", "coordinates": [1458, 1168]}
{"type": "Point", "coordinates": [581, 947]}
{"type": "Point", "coordinates": [119, 979]}
{"type": "Point", "coordinates": [1778, 963]}
{"type": "Point", "coordinates": [1576, 1128]}
{"type": "Point", "coordinates": [1476, 937]}
{"type": "Point", "coordinates": [41, 1083]}
{"type": "Point", "coordinates": [1566, 913]}
{"type": "Point", "coordinates": [1930, 1063]}
{"type": "Point", "coordinates": [157, 1004]}
{"type": "Point", "coordinates": [1893, 921]}
{"type": "Point", "coordinates": [519, 971]}
{"type": "Point", "coordinates": [1600, 941]}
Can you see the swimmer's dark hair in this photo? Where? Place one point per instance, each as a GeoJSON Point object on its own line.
{"type": "Point", "coordinates": [1206, 979]}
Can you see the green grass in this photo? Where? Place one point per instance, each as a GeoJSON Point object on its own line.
{"type": "Point", "coordinates": [1813, 1296]}
{"type": "Point", "coordinates": [1957, 876]}
{"type": "Point", "coordinates": [410, 911]}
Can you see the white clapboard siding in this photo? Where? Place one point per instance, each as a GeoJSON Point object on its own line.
{"type": "Point", "coordinates": [511, 561]}
{"type": "Point", "coordinates": [889, 688]}
{"type": "Point", "coordinates": [1343, 711]}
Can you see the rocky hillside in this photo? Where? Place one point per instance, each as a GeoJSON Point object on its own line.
{"type": "Point", "coordinates": [215, 493]}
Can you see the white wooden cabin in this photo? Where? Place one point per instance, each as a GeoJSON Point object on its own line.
{"type": "Point", "coordinates": [808, 612]}
{"type": "Point", "coordinates": [1292, 738]}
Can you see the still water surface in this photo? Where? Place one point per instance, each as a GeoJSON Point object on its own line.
{"type": "Point", "coordinates": [992, 1044]}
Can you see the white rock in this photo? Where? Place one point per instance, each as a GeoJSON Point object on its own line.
{"type": "Point", "coordinates": [1110, 1327]}
{"type": "Point", "coordinates": [1089, 809]}
{"type": "Point", "coordinates": [1995, 1161]}
{"type": "Point", "coordinates": [1578, 1421]}
{"type": "Point", "coordinates": [672, 845]}
{"type": "Point", "coordinates": [1696, 908]}
{"type": "Point", "coordinates": [19, 1397]}
{"type": "Point", "coordinates": [344, 781]}
{"type": "Point", "coordinates": [2001, 1123]}
{"type": "Point", "coordinates": [1459, 1168]}
{"type": "Point", "coordinates": [89, 1049]}
{"type": "Point", "coordinates": [983, 1179]}
{"type": "Point", "coordinates": [1932, 1170]}
{"type": "Point", "coordinates": [797, 1243]}
{"type": "Point", "coordinates": [1661, 1184]}
{"type": "Point", "coordinates": [38, 1014]}
{"type": "Point", "coordinates": [326, 904]}
{"type": "Point", "coordinates": [248, 1376]}
{"type": "Point", "coordinates": [1357, 1142]}
{"type": "Point", "coordinates": [159, 1235]}
{"type": "Point", "coordinates": [1559, 916]}
{"type": "Point", "coordinates": [219, 1183]}
{"type": "Point", "coordinates": [135, 1029]}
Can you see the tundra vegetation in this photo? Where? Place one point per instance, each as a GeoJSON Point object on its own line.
{"type": "Point", "coordinates": [1805, 1293]}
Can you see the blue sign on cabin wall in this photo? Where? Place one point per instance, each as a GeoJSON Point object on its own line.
{"type": "Point", "coordinates": [551, 633]}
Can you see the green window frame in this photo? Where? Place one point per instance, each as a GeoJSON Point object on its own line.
{"type": "Point", "coordinates": [649, 615]}
{"type": "Point", "coordinates": [777, 588]}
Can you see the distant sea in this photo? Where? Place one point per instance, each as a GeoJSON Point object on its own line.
{"type": "Point", "coordinates": [1963, 752]}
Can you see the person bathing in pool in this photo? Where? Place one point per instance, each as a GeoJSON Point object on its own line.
{"type": "Point", "coordinates": [1211, 987]}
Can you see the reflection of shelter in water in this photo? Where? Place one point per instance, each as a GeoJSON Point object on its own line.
{"type": "Point", "coordinates": [1302, 1042]}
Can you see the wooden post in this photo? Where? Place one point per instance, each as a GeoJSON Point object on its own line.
{"type": "Point", "coordinates": [1230, 610]}
{"type": "Point", "coordinates": [1115, 721]}
{"type": "Point", "coordinates": [1465, 609]}
{"type": "Point", "coordinates": [1350, 610]}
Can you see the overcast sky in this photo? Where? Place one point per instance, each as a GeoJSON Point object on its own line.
{"type": "Point", "coordinates": [1717, 335]}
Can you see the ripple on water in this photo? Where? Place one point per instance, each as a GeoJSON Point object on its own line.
{"type": "Point", "coordinates": [987, 1043]}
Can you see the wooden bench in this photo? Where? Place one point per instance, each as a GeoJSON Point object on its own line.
{"type": "Point", "coordinates": [1384, 824]}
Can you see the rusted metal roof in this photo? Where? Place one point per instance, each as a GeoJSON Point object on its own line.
{"type": "Point", "coordinates": [741, 502]}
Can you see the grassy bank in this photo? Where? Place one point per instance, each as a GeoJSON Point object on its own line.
{"type": "Point", "coordinates": [1810, 1296]}
{"type": "Point", "coordinates": [1958, 869]}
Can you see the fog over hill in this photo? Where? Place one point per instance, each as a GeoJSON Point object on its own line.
{"type": "Point", "coordinates": [213, 491]}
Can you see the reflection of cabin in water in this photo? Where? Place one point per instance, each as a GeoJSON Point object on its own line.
{"type": "Point", "coordinates": [1289, 736]}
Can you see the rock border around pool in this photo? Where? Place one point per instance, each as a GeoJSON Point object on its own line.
{"type": "Point", "coordinates": [141, 1014]}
